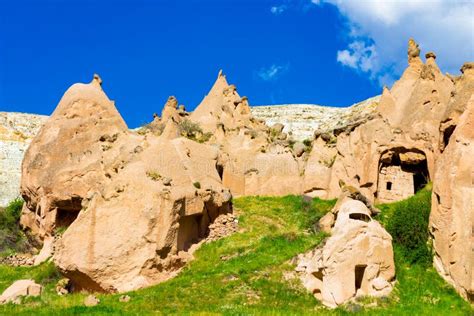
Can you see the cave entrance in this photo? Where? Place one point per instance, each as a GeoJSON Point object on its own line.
{"type": "Point", "coordinates": [402, 173]}
{"type": "Point", "coordinates": [66, 212]}
{"type": "Point", "coordinates": [189, 231]}
{"type": "Point", "coordinates": [220, 170]}
{"type": "Point", "coordinates": [64, 217]}
{"type": "Point", "coordinates": [447, 136]}
{"type": "Point", "coordinates": [359, 272]}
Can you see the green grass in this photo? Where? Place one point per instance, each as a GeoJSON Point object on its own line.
{"type": "Point", "coordinates": [243, 275]}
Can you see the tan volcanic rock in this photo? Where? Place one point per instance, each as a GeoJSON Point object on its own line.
{"type": "Point", "coordinates": [357, 260]}
{"type": "Point", "coordinates": [255, 160]}
{"type": "Point", "coordinates": [135, 205]}
{"type": "Point", "coordinates": [64, 161]}
{"type": "Point", "coordinates": [464, 89]}
{"type": "Point", "coordinates": [405, 125]}
{"type": "Point", "coordinates": [137, 230]}
{"type": "Point", "coordinates": [452, 211]}
{"type": "Point", "coordinates": [19, 289]}
{"type": "Point", "coordinates": [219, 106]}
{"type": "Point", "coordinates": [170, 110]}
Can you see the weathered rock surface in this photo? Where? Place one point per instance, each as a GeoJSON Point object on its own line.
{"type": "Point", "coordinates": [65, 160]}
{"type": "Point", "coordinates": [19, 289]}
{"type": "Point", "coordinates": [132, 205]}
{"type": "Point", "coordinates": [254, 159]}
{"type": "Point", "coordinates": [357, 260]}
{"type": "Point", "coordinates": [452, 211]}
{"type": "Point", "coordinates": [16, 132]}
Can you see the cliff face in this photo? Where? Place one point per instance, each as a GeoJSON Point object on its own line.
{"type": "Point", "coordinates": [16, 133]}
{"type": "Point", "coordinates": [302, 120]}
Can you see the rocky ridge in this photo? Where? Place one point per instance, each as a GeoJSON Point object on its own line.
{"type": "Point", "coordinates": [302, 120]}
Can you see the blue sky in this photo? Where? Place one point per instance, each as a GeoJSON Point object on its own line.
{"type": "Point", "coordinates": [288, 51]}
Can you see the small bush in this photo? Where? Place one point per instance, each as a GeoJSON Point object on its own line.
{"type": "Point", "coordinates": [12, 238]}
{"type": "Point", "coordinates": [204, 137]}
{"type": "Point", "coordinates": [189, 129]}
{"type": "Point", "coordinates": [314, 209]}
{"type": "Point", "coordinates": [197, 185]}
{"type": "Point", "coordinates": [155, 176]}
{"type": "Point", "coordinates": [291, 143]}
{"type": "Point", "coordinates": [307, 142]}
{"type": "Point", "coordinates": [407, 222]}
{"type": "Point", "coordinates": [193, 131]}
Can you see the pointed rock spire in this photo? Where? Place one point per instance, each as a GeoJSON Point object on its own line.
{"type": "Point", "coordinates": [413, 52]}
{"type": "Point", "coordinates": [97, 81]}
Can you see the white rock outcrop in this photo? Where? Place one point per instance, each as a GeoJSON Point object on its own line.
{"type": "Point", "coordinates": [302, 120]}
{"type": "Point", "coordinates": [16, 132]}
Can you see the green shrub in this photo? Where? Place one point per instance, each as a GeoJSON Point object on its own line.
{"type": "Point", "coordinates": [155, 176]}
{"type": "Point", "coordinates": [12, 237]}
{"type": "Point", "coordinates": [407, 222]}
{"type": "Point", "coordinates": [193, 131]}
{"type": "Point", "coordinates": [204, 137]}
{"type": "Point", "coordinates": [189, 129]}
{"type": "Point", "coordinates": [197, 185]}
{"type": "Point", "coordinates": [314, 209]}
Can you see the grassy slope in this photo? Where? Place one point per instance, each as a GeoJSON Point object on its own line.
{"type": "Point", "coordinates": [243, 274]}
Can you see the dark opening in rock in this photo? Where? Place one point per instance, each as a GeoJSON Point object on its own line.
{"type": "Point", "coordinates": [360, 217]}
{"type": "Point", "coordinates": [359, 276]}
{"type": "Point", "coordinates": [64, 218]}
{"type": "Point", "coordinates": [447, 136]}
{"type": "Point", "coordinates": [189, 231]}
{"type": "Point", "coordinates": [220, 170]}
{"type": "Point", "coordinates": [402, 173]}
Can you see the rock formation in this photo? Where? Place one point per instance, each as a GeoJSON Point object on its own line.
{"type": "Point", "coordinates": [66, 159]}
{"type": "Point", "coordinates": [452, 211]}
{"type": "Point", "coordinates": [255, 159]}
{"type": "Point", "coordinates": [357, 260]}
{"type": "Point", "coordinates": [393, 154]}
{"type": "Point", "coordinates": [132, 205]}
{"type": "Point", "coordinates": [19, 289]}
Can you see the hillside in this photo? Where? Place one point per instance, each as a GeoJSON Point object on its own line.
{"type": "Point", "coordinates": [250, 272]}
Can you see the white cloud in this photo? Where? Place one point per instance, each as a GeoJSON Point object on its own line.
{"type": "Point", "coordinates": [358, 56]}
{"type": "Point", "coordinates": [443, 26]}
{"type": "Point", "coordinates": [277, 10]}
{"type": "Point", "coordinates": [272, 72]}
